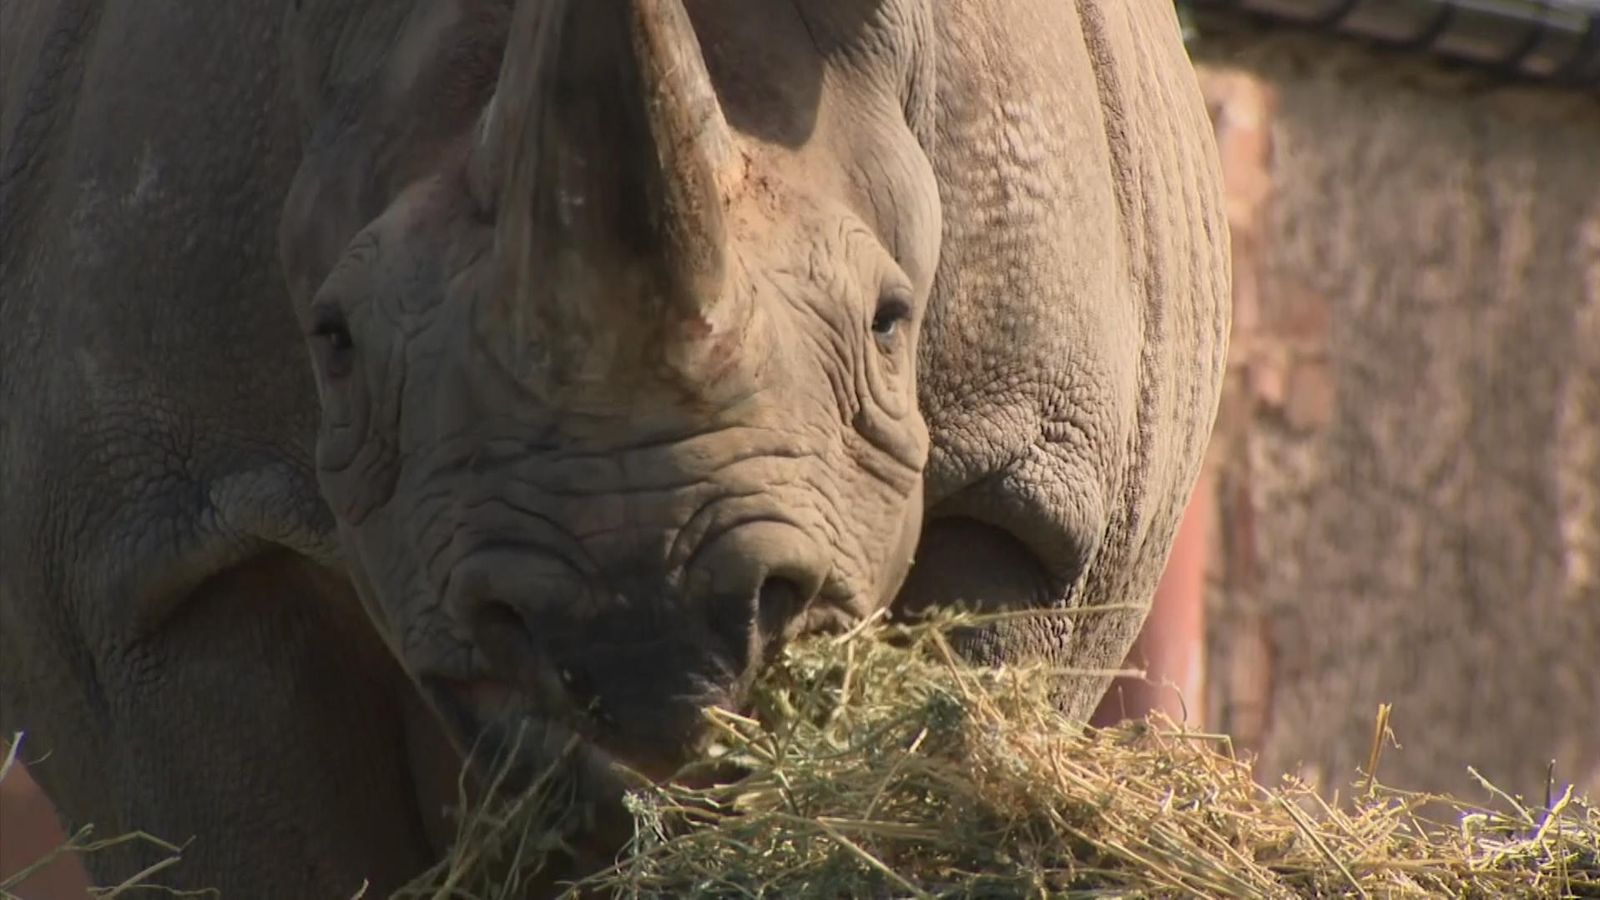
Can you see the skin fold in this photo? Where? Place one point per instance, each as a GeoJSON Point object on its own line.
{"type": "Point", "coordinates": [381, 375]}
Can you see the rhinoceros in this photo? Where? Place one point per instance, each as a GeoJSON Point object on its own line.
{"type": "Point", "coordinates": [376, 373]}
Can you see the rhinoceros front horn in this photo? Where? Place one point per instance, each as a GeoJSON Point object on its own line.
{"type": "Point", "coordinates": [608, 144]}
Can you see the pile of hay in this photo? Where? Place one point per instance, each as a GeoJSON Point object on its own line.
{"type": "Point", "coordinates": [878, 766]}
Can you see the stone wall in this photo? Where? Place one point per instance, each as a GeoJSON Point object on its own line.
{"type": "Point", "coordinates": [1407, 462]}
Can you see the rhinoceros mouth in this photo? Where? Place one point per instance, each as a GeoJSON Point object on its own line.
{"type": "Point", "coordinates": [487, 720]}
{"type": "Point", "coordinates": [510, 752]}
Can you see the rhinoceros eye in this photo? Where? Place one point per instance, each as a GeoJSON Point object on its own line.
{"type": "Point", "coordinates": [331, 330]}
{"type": "Point", "coordinates": [892, 311]}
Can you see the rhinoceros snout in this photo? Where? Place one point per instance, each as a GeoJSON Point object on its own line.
{"type": "Point", "coordinates": [753, 583]}
{"type": "Point", "coordinates": [630, 662]}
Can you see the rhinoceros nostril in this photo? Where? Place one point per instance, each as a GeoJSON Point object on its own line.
{"type": "Point", "coordinates": [750, 625]}
{"type": "Point", "coordinates": [777, 603]}
{"type": "Point", "coordinates": [526, 661]}
{"type": "Point", "coordinates": [502, 635]}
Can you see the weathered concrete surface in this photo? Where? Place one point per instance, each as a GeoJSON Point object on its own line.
{"type": "Point", "coordinates": [1409, 446]}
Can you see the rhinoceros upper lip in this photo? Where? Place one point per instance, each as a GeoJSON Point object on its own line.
{"type": "Point", "coordinates": [487, 721]}
{"type": "Point", "coordinates": [512, 753]}
{"type": "Point", "coordinates": [487, 718]}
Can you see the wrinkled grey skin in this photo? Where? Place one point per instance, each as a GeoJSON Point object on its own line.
{"type": "Point", "coordinates": [928, 306]}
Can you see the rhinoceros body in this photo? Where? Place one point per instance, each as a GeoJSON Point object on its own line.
{"type": "Point", "coordinates": [377, 374]}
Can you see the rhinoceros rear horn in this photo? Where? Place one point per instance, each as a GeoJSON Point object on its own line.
{"type": "Point", "coordinates": [608, 144]}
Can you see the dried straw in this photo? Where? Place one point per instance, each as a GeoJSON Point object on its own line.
{"type": "Point", "coordinates": [878, 766]}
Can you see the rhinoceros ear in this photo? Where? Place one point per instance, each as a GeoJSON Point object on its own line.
{"type": "Point", "coordinates": [607, 147]}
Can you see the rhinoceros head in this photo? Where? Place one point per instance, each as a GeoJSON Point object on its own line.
{"type": "Point", "coordinates": [616, 395]}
